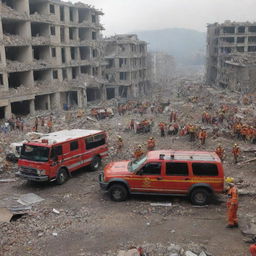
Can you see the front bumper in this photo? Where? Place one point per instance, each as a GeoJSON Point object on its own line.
{"type": "Point", "coordinates": [103, 185]}
{"type": "Point", "coordinates": [32, 177]}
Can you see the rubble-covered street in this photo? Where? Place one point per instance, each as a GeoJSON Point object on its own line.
{"type": "Point", "coordinates": [77, 218]}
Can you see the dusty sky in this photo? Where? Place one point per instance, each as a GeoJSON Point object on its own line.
{"type": "Point", "coordinates": [124, 16]}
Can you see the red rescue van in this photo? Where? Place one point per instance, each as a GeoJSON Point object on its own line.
{"type": "Point", "coordinates": [56, 155]}
{"type": "Point", "coordinates": [196, 174]}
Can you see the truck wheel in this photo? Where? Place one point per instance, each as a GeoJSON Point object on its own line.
{"type": "Point", "coordinates": [199, 196]}
{"type": "Point", "coordinates": [118, 192]}
{"type": "Point", "coordinates": [62, 176]}
{"type": "Point", "coordinates": [95, 164]}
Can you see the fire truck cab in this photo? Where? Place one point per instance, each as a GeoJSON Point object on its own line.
{"type": "Point", "coordinates": [56, 155]}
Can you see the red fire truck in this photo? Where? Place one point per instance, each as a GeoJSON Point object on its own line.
{"type": "Point", "coordinates": [56, 155]}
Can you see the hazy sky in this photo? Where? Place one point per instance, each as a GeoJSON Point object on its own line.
{"type": "Point", "coordinates": [124, 16]}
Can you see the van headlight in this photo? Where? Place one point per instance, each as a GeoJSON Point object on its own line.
{"type": "Point", "coordinates": [41, 172]}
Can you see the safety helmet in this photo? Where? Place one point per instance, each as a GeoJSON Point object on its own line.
{"type": "Point", "coordinates": [235, 145]}
{"type": "Point", "coordinates": [139, 146]}
{"type": "Point", "coordinates": [229, 180]}
{"type": "Point", "coordinates": [151, 138]}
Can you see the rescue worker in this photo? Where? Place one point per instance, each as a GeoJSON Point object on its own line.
{"type": "Point", "coordinates": [220, 152]}
{"type": "Point", "coordinates": [162, 129]}
{"type": "Point", "coordinates": [236, 152]}
{"type": "Point", "coordinates": [151, 144]}
{"type": "Point", "coordinates": [138, 152]}
{"type": "Point", "coordinates": [202, 136]}
{"type": "Point", "coordinates": [191, 132]}
{"type": "Point", "coordinates": [36, 124]}
{"type": "Point", "coordinates": [132, 123]}
{"type": "Point", "coordinates": [253, 250]}
{"type": "Point", "coordinates": [49, 125]}
{"type": "Point", "coordinates": [232, 203]}
{"type": "Point", "coordinates": [120, 143]}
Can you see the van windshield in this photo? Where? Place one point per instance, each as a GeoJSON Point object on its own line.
{"type": "Point", "coordinates": [135, 164]}
{"type": "Point", "coordinates": [35, 153]}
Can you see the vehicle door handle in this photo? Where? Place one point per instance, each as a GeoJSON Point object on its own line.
{"type": "Point", "coordinates": [187, 179]}
{"type": "Point", "coordinates": [159, 178]}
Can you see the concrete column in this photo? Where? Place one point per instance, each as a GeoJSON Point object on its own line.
{"type": "Point", "coordinates": [32, 107]}
{"type": "Point", "coordinates": [8, 111]}
{"type": "Point", "coordinates": [56, 103]}
{"type": "Point", "coordinates": [84, 94]}
{"type": "Point", "coordinates": [104, 92]}
{"type": "Point", "coordinates": [116, 91]}
{"type": "Point", "coordinates": [48, 102]}
{"type": "Point", "coordinates": [80, 98]}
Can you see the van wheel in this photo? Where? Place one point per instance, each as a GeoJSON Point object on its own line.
{"type": "Point", "coordinates": [95, 164]}
{"type": "Point", "coordinates": [62, 176]}
{"type": "Point", "coordinates": [118, 193]}
{"type": "Point", "coordinates": [199, 196]}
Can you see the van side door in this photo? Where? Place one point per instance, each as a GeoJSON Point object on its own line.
{"type": "Point", "coordinates": [176, 177]}
{"type": "Point", "coordinates": [148, 178]}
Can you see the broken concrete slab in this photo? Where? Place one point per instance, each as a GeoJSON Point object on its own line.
{"type": "Point", "coordinates": [5, 215]}
{"type": "Point", "coordinates": [189, 253]}
{"type": "Point", "coordinates": [30, 198]}
{"type": "Point", "coordinates": [132, 252]}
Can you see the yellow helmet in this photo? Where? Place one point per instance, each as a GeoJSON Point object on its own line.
{"type": "Point", "coordinates": [229, 180]}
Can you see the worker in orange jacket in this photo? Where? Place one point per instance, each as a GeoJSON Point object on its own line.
{"type": "Point", "coordinates": [162, 128]}
{"type": "Point", "coordinates": [151, 144]}
{"type": "Point", "coordinates": [232, 203]}
{"type": "Point", "coordinates": [253, 250]}
{"type": "Point", "coordinates": [236, 152]}
{"type": "Point", "coordinates": [202, 136]}
{"type": "Point", "coordinates": [220, 152]}
{"type": "Point", "coordinates": [138, 153]}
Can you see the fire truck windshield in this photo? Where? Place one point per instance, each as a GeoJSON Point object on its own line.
{"type": "Point", "coordinates": [35, 153]}
{"type": "Point", "coordinates": [135, 164]}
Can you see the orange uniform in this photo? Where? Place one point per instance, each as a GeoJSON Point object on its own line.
{"type": "Point", "coordinates": [232, 206]}
{"type": "Point", "coordinates": [236, 152]}
{"type": "Point", "coordinates": [253, 250]}
{"type": "Point", "coordinates": [220, 152]}
{"type": "Point", "coordinates": [202, 136]}
{"type": "Point", "coordinates": [50, 124]}
{"type": "Point", "coordinates": [138, 153]}
{"type": "Point", "coordinates": [151, 144]}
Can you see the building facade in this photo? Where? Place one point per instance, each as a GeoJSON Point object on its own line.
{"type": "Point", "coordinates": [126, 69]}
{"type": "Point", "coordinates": [50, 55]}
{"type": "Point", "coordinates": [231, 49]}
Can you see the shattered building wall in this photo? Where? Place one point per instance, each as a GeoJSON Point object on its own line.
{"type": "Point", "coordinates": [162, 67]}
{"type": "Point", "coordinates": [126, 69]}
{"type": "Point", "coordinates": [231, 49]}
{"type": "Point", "coordinates": [50, 55]}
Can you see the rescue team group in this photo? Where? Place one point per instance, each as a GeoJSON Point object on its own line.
{"type": "Point", "coordinates": [232, 192]}
{"type": "Point", "coordinates": [191, 130]}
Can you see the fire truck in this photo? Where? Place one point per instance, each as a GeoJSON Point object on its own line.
{"type": "Point", "coordinates": [56, 155]}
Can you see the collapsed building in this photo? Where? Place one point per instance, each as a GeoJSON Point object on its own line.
{"type": "Point", "coordinates": [126, 69]}
{"type": "Point", "coordinates": [163, 67]}
{"type": "Point", "coordinates": [52, 57]}
{"type": "Point", "coordinates": [231, 55]}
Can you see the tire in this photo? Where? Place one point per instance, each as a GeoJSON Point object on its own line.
{"type": "Point", "coordinates": [62, 176]}
{"type": "Point", "coordinates": [95, 164]}
{"type": "Point", "coordinates": [118, 192]}
{"type": "Point", "coordinates": [199, 196]}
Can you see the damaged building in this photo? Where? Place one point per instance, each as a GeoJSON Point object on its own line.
{"type": "Point", "coordinates": [50, 56]}
{"type": "Point", "coordinates": [126, 69]}
{"type": "Point", "coordinates": [231, 55]}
